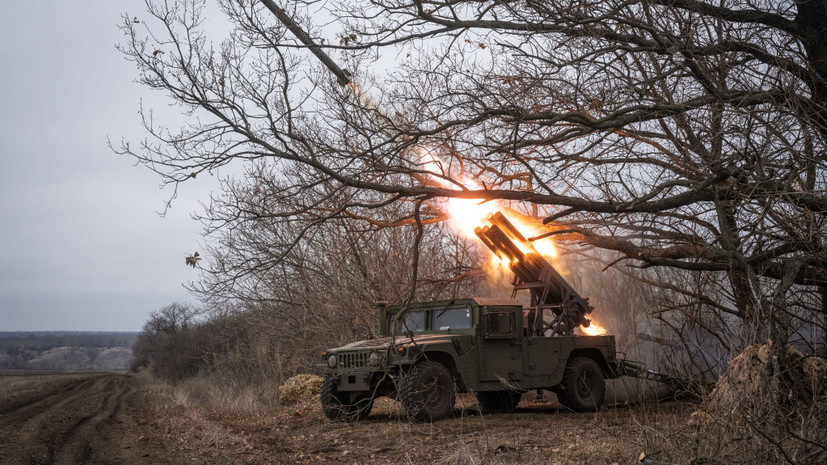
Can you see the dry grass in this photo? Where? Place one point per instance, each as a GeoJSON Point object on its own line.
{"type": "Point", "coordinates": [759, 412]}
{"type": "Point", "coordinates": [539, 433]}
{"type": "Point", "coordinates": [302, 388]}
{"type": "Point", "coordinates": [213, 393]}
{"type": "Point", "coordinates": [752, 416]}
{"type": "Point", "coordinates": [244, 425]}
{"type": "Point", "coordinates": [22, 383]}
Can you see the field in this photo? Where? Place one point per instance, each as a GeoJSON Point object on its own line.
{"type": "Point", "coordinates": [66, 350]}
{"type": "Point", "coordinates": [132, 419]}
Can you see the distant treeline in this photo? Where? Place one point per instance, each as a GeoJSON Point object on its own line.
{"type": "Point", "coordinates": [66, 350]}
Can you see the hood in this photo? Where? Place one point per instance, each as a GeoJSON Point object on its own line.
{"type": "Point", "coordinates": [383, 342]}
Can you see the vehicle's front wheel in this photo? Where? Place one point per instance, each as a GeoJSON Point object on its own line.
{"type": "Point", "coordinates": [427, 392]}
{"type": "Point", "coordinates": [583, 387]}
{"type": "Point", "coordinates": [343, 406]}
{"type": "Point", "coordinates": [498, 401]}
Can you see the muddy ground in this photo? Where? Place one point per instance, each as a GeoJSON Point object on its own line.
{"type": "Point", "coordinates": [116, 418]}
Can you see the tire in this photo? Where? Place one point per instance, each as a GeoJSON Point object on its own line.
{"type": "Point", "coordinates": [583, 388]}
{"type": "Point", "coordinates": [498, 401]}
{"type": "Point", "coordinates": [427, 392]}
{"type": "Point", "coordinates": [341, 406]}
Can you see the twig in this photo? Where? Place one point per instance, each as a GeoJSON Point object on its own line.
{"type": "Point", "coordinates": [645, 459]}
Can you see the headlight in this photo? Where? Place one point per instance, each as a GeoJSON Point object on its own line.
{"type": "Point", "coordinates": [332, 361]}
{"type": "Point", "coordinates": [373, 360]}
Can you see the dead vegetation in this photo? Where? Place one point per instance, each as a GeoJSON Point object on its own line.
{"type": "Point", "coordinates": [300, 389]}
{"type": "Point", "coordinates": [769, 406]}
{"type": "Point", "coordinates": [243, 393]}
{"type": "Point", "coordinates": [298, 432]}
{"type": "Point", "coordinates": [749, 383]}
{"type": "Point", "coordinates": [218, 417]}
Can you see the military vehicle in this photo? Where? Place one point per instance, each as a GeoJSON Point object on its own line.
{"type": "Point", "coordinates": [427, 352]}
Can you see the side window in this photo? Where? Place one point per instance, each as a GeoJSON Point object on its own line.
{"type": "Point", "coordinates": [452, 318]}
{"type": "Point", "coordinates": [499, 324]}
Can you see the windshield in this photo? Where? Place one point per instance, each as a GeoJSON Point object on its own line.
{"type": "Point", "coordinates": [410, 321]}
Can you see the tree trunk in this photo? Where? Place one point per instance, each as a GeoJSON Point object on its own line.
{"type": "Point", "coordinates": [811, 18]}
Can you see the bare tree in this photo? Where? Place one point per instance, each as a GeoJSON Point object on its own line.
{"type": "Point", "coordinates": [166, 344]}
{"type": "Point", "coordinates": [685, 136]}
{"type": "Point", "coordinates": [678, 133]}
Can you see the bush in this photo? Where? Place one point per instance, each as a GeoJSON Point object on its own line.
{"type": "Point", "coordinates": [300, 389]}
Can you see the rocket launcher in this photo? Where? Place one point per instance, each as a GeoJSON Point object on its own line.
{"type": "Point", "coordinates": [551, 295]}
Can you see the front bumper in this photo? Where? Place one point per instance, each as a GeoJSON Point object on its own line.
{"type": "Point", "coordinates": [353, 381]}
{"type": "Point", "coordinates": [354, 370]}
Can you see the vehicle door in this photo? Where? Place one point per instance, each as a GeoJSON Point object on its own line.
{"type": "Point", "coordinates": [501, 352]}
{"type": "Point", "coordinates": [544, 355]}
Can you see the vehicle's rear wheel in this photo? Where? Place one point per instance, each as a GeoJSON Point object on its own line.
{"type": "Point", "coordinates": [343, 406]}
{"type": "Point", "coordinates": [427, 391]}
{"type": "Point", "coordinates": [498, 401]}
{"type": "Point", "coordinates": [583, 387]}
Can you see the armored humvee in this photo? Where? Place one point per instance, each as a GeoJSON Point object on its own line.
{"type": "Point", "coordinates": [484, 346]}
{"type": "Point", "coordinates": [495, 348]}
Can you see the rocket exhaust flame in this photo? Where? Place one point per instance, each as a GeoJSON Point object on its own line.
{"type": "Point", "coordinates": [550, 294]}
{"type": "Point", "coordinates": [529, 261]}
{"type": "Point", "coordinates": [593, 329]}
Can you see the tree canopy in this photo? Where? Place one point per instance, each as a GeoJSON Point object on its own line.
{"type": "Point", "coordinates": [675, 133]}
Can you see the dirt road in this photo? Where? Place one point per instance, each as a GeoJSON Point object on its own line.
{"type": "Point", "coordinates": [73, 418]}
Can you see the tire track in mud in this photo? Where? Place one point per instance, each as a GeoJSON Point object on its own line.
{"type": "Point", "coordinates": [77, 447]}
{"type": "Point", "coordinates": [61, 425]}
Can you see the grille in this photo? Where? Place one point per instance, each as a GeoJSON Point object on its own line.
{"type": "Point", "coordinates": [353, 359]}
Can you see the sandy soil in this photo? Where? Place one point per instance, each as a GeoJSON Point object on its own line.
{"type": "Point", "coordinates": [114, 418]}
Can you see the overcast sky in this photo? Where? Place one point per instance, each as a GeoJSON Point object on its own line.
{"type": "Point", "coordinates": [81, 244]}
